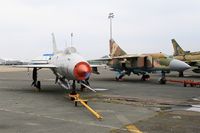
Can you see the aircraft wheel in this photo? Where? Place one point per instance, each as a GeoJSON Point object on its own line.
{"type": "Point", "coordinates": [76, 104]}
{"type": "Point", "coordinates": [72, 99]}
{"type": "Point", "coordinates": [38, 85]}
{"type": "Point", "coordinates": [116, 78]}
{"type": "Point", "coordinates": [82, 88]}
{"type": "Point", "coordinates": [145, 77]}
{"type": "Point", "coordinates": [181, 74]}
{"type": "Point", "coordinates": [162, 81]}
{"type": "Point", "coordinates": [185, 85]}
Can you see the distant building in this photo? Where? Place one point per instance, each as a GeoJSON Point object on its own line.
{"type": "Point", "coordinates": [13, 62]}
{"type": "Point", "coordinates": [10, 62]}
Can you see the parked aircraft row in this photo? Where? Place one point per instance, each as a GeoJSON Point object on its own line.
{"type": "Point", "coordinates": [125, 64]}
{"type": "Point", "coordinates": [69, 66]}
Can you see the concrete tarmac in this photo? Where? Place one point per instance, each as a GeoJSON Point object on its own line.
{"type": "Point", "coordinates": [130, 105]}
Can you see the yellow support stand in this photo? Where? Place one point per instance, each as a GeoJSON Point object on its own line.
{"type": "Point", "coordinates": [76, 98]}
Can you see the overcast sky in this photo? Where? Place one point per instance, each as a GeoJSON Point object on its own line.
{"type": "Point", "coordinates": [139, 26]}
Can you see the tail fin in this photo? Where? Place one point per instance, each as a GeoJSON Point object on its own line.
{"type": "Point", "coordinates": [54, 43]}
{"type": "Point", "coordinates": [177, 49]}
{"type": "Point", "coordinates": [115, 50]}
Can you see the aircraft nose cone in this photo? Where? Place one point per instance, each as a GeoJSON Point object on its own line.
{"type": "Point", "coordinates": [82, 70]}
{"type": "Point", "coordinates": [177, 65]}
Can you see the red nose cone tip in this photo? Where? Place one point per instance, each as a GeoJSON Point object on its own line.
{"type": "Point", "coordinates": [82, 71]}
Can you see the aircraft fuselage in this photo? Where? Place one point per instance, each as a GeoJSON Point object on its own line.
{"type": "Point", "coordinates": [71, 66]}
{"type": "Point", "coordinates": [188, 57]}
{"type": "Point", "coordinates": [148, 63]}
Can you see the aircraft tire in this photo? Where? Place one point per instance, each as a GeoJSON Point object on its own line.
{"type": "Point", "coordinates": [38, 85]}
{"type": "Point", "coordinates": [116, 78]}
{"type": "Point", "coordinates": [145, 77]}
{"type": "Point", "coordinates": [162, 81]}
{"type": "Point", "coordinates": [181, 74]}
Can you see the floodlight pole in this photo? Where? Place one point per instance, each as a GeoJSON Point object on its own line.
{"type": "Point", "coordinates": [111, 16]}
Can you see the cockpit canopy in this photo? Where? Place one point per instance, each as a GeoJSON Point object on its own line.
{"type": "Point", "coordinates": [70, 50]}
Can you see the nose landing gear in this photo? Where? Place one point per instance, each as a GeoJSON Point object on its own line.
{"type": "Point", "coordinates": [162, 80]}
{"type": "Point", "coordinates": [145, 77]}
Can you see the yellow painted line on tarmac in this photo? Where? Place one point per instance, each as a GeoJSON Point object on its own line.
{"type": "Point", "coordinates": [133, 129]}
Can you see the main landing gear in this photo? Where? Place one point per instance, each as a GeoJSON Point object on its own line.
{"type": "Point", "coordinates": [162, 80]}
{"type": "Point", "coordinates": [120, 75]}
{"type": "Point", "coordinates": [117, 78]}
{"type": "Point", "coordinates": [36, 83]}
{"type": "Point", "coordinates": [145, 77]}
{"type": "Point", "coordinates": [181, 74]}
{"type": "Point", "coordinates": [73, 93]}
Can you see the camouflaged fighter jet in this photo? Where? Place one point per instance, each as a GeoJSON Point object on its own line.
{"type": "Point", "coordinates": [125, 64]}
{"type": "Point", "coordinates": [191, 58]}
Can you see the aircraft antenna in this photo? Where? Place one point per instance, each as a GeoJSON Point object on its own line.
{"type": "Point", "coordinates": [54, 43]}
{"type": "Point", "coordinates": [71, 39]}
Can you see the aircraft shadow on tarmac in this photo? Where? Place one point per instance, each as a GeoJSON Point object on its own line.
{"type": "Point", "coordinates": [125, 80]}
{"type": "Point", "coordinates": [47, 89]}
{"type": "Point", "coordinates": [193, 76]}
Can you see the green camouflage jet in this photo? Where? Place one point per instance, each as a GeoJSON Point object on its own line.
{"type": "Point", "coordinates": [191, 58]}
{"type": "Point", "coordinates": [125, 64]}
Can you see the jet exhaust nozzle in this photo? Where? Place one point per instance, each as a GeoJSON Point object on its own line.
{"type": "Point", "coordinates": [82, 70]}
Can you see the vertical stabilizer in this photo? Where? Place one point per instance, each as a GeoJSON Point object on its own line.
{"type": "Point", "coordinates": [54, 43]}
{"type": "Point", "coordinates": [115, 50]}
{"type": "Point", "coordinates": [177, 49]}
